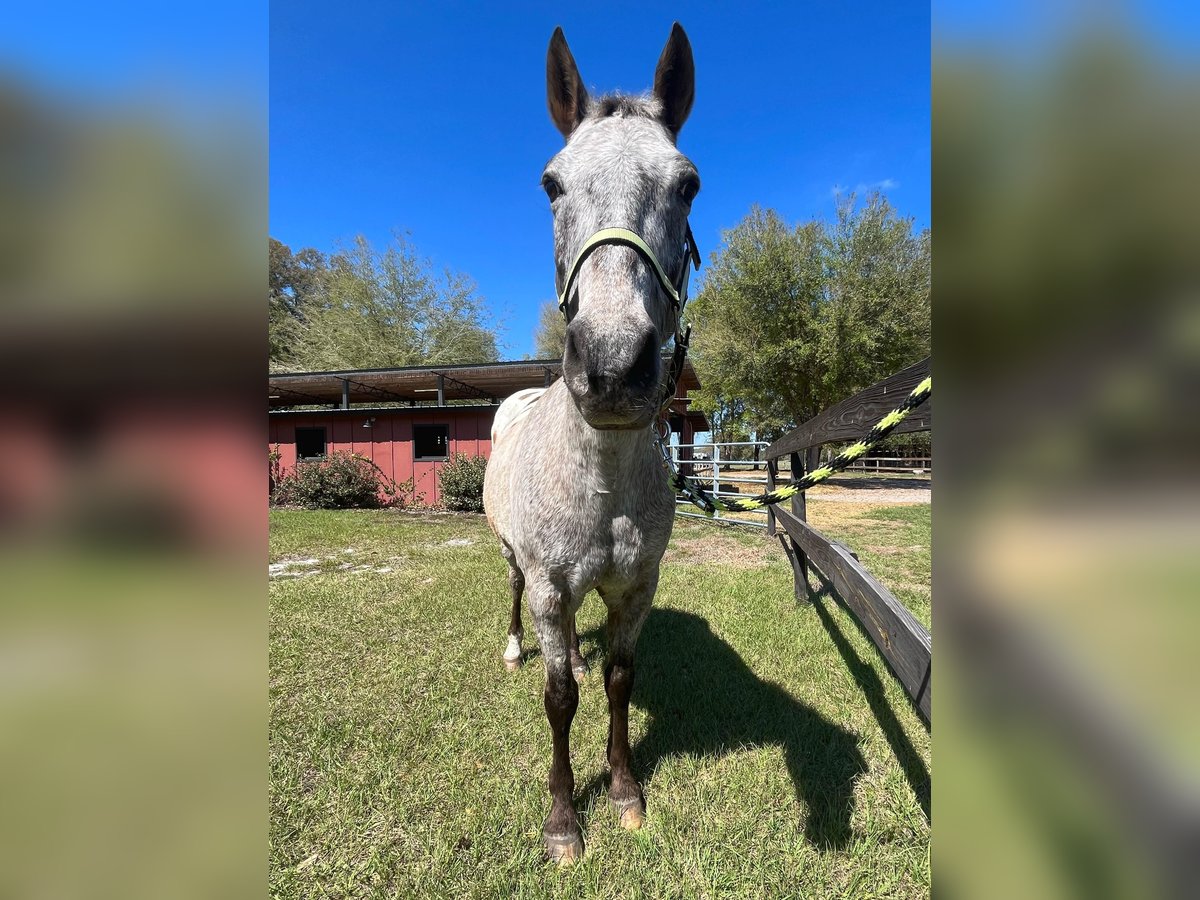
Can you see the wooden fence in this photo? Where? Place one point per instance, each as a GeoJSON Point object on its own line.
{"type": "Point", "coordinates": [903, 641]}
{"type": "Point", "coordinates": [917, 465]}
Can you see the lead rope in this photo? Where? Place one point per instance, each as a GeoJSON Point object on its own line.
{"type": "Point", "coordinates": [677, 293]}
{"type": "Point", "coordinates": [710, 503]}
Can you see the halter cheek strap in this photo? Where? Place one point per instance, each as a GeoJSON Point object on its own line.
{"type": "Point", "coordinates": [625, 237]}
{"type": "Point", "coordinates": [677, 292]}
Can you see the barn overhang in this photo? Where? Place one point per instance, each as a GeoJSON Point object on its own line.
{"type": "Point", "coordinates": [363, 390]}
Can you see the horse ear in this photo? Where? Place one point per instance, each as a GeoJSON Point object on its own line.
{"type": "Point", "coordinates": [675, 80]}
{"type": "Point", "coordinates": [565, 94]}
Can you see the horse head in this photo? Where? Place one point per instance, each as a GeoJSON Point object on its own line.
{"type": "Point", "coordinates": [620, 192]}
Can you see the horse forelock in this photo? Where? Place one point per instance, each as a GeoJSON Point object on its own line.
{"type": "Point", "coordinates": [623, 106]}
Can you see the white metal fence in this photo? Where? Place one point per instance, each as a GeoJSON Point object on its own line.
{"type": "Point", "coordinates": [719, 474]}
{"type": "Point", "coordinates": [712, 466]}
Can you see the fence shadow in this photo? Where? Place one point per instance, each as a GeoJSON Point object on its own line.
{"type": "Point", "coordinates": [702, 699]}
{"type": "Point", "coordinates": [868, 679]}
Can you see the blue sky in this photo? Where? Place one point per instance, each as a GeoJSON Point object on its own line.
{"type": "Point", "coordinates": [431, 119]}
{"type": "Point", "coordinates": [194, 58]}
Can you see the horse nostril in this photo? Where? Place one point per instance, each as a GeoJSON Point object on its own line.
{"type": "Point", "coordinates": [573, 355]}
{"type": "Point", "coordinates": [644, 371]}
{"type": "Point", "coordinates": [576, 360]}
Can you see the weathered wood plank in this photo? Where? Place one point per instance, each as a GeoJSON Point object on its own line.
{"type": "Point", "coordinates": [799, 469]}
{"type": "Point", "coordinates": [850, 419]}
{"type": "Point", "coordinates": [903, 641]}
{"type": "Point", "coordinates": [772, 471]}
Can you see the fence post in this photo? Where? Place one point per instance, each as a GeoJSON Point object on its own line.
{"type": "Point", "coordinates": [716, 461]}
{"type": "Point", "coordinates": [771, 468]}
{"type": "Point", "coordinates": [799, 511]}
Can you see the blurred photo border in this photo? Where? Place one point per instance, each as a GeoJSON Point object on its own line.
{"type": "Point", "coordinates": [133, 478]}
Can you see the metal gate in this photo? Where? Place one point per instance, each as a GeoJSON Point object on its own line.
{"type": "Point", "coordinates": [714, 465]}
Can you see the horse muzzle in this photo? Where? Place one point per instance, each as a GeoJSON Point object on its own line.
{"type": "Point", "coordinates": [613, 377]}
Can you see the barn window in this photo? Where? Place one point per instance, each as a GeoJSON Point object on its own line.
{"type": "Point", "coordinates": [310, 443]}
{"type": "Point", "coordinates": [431, 441]}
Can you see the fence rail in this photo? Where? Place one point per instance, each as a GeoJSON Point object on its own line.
{"type": "Point", "coordinates": [914, 464]}
{"type": "Point", "coordinates": [848, 420]}
{"type": "Point", "coordinates": [903, 641]}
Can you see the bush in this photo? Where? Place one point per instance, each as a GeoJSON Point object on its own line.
{"type": "Point", "coordinates": [917, 443]}
{"type": "Point", "coordinates": [461, 482]}
{"type": "Point", "coordinates": [340, 481]}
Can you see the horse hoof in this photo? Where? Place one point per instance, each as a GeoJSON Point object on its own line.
{"type": "Point", "coordinates": [563, 849]}
{"type": "Point", "coordinates": [580, 672]}
{"type": "Point", "coordinates": [632, 815]}
{"type": "Point", "coordinates": [512, 653]}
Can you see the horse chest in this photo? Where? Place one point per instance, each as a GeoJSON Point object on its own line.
{"type": "Point", "coordinates": [620, 540]}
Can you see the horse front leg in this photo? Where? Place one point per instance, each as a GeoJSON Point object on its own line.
{"type": "Point", "coordinates": [561, 834]}
{"type": "Point", "coordinates": [625, 618]}
{"type": "Point", "coordinates": [512, 652]}
{"type": "Point", "coordinates": [579, 666]}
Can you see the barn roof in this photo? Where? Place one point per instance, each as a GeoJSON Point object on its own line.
{"type": "Point", "coordinates": [482, 383]}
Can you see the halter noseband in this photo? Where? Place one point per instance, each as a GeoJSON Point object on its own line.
{"type": "Point", "coordinates": [676, 292]}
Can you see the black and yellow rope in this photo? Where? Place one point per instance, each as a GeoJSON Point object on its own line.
{"type": "Point", "coordinates": [691, 490]}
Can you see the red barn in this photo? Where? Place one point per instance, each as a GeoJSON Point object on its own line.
{"type": "Point", "coordinates": [410, 420]}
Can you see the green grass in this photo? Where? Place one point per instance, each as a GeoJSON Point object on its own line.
{"type": "Point", "coordinates": [778, 755]}
{"type": "Point", "coordinates": [893, 543]}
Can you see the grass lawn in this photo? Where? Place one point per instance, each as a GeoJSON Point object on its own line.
{"type": "Point", "coordinates": [893, 543]}
{"type": "Point", "coordinates": [778, 755]}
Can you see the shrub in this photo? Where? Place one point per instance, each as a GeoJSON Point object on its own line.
{"type": "Point", "coordinates": [340, 481]}
{"type": "Point", "coordinates": [461, 482]}
{"type": "Point", "coordinates": [274, 471]}
{"type": "Point", "coordinates": [917, 443]}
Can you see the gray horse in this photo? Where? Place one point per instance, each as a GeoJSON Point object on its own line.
{"type": "Point", "coordinates": [575, 488]}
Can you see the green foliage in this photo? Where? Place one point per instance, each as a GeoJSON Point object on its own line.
{"type": "Point", "coordinates": [340, 481]}
{"type": "Point", "coordinates": [915, 444]}
{"type": "Point", "coordinates": [791, 320]}
{"type": "Point", "coordinates": [295, 282]}
{"type": "Point", "coordinates": [388, 309]}
{"type": "Point", "coordinates": [461, 482]}
{"type": "Point", "coordinates": [550, 338]}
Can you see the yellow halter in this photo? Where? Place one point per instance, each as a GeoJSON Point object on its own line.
{"type": "Point", "coordinates": [625, 237]}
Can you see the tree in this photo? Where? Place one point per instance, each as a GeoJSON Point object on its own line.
{"type": "Point", "coordinates": [380, 310]}
{"type": "Point", "coordinates": [294, 282]}
{"type": "Point", "coordinates": [790, 320]}
{"type": "Point", "coordinates": [550, 338]}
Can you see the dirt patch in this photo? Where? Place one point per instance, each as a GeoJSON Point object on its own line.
{"type": "Point", "coordinates": [432, 514]}
{"type": "Point", "coordinates": [292, 567]}
{"type": "Point", "coordinates": [873, 496]}
{"type": "Point", "coordinates": [852, 517]}
{"type": "Point", "coordinates": [873, 490]}
{"type": "Point", "coordinates": [720, 551]}
{"type": "Point", "coordinates": [893, 550]}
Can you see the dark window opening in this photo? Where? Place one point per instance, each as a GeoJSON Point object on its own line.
{"type": "Point", "coordinates": [310, 443]}
{"type": "Point", "coordinates": [431, 441]}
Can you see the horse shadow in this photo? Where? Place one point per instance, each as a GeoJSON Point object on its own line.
{"type": "Point", "coordinates": [702, 699]}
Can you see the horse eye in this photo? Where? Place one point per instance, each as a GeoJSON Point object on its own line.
{"type": "Point", "coordinates": [689, 189]}
{"type": "Point", "coordinates": [552, 188]}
